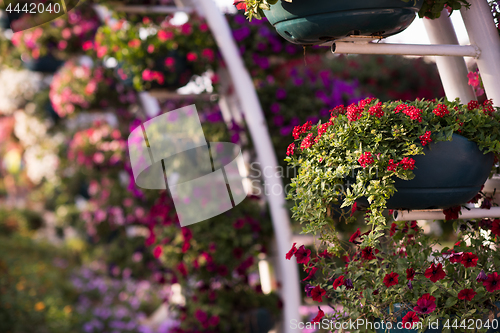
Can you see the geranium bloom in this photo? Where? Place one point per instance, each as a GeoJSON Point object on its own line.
{"type": "Point", "coordinates": [492, 283]}
{"type": "Point", "coordinates": [317, 294]}
{"type": "Point", "coordinates": [425, 138]}
{"type": "Point", "coordinates": [435, 273]}
{"type": "Point", "coordinates": [472, 105]}
{"type": "Point", "coordinates": [410, 274]}
{"type": "Point", "coordinates": [338, 282]}
{"type": "Point", "coordinates": [303, 255]}
{"type": "Point", "coordinates": [366, 159]}
{"type": "Point", "coordinates": [469, 259]}
{"type": "Point", "coordinates": [410, 319]}
{"type": "Point", "coordinates": [354, 112]}
{"type": "Point", "coordinates": [319, 316]}
{"type": "Point", "coordinates": [292, 251]}
{"type": "Point", "coordinates": [441, 110]}
{"type": "Point", "coordinates": [376, 110]}
{"type": "Point", "coordinates": [391, 279]}
{"type": "Point", "coordinates": [307, 142]}
{"type": "Point", "coordinates": [467, 294]}
{"type": "Point", "coordinates": [425, 304]}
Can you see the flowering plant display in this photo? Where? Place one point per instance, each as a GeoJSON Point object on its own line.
{"type": "Point", "coordinates": [63, 38]}
{"type": "Point", "coordinates": [78, 87]}
{"type": "Point", "coordinates": [372, 135]}
{"type": "Point", "coordinates": [151, 55]}
{"type": "Point", "coordinates": [431, 9]}
{"type": "Point", "coordinates": [410, 281]}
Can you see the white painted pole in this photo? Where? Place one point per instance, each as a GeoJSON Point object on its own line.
{"type": "Point", "coordinates": [405, 49]}
{"type": "Point", "coordinates": [483, 33]}
{"type": "Point", "coordinates": [434, 214]}
{"type": "Point", "coordinates": [452, 70]}
{"type": "Point", "coordinates": [266, 156]}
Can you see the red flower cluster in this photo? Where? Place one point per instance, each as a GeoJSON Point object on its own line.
{"type": "Point", "coordinates": [298, 130]}
{"type": "Point", "coordinates": [366, 159]}
{"type": "Point", "coordinates": [240, 4]}
{"type": "Point", "coordinates": [376, 110]}
{"type": "Point", "coordinates": [451, 213]}
{"type": "Point", "coordinates": [338, 282]}
{"type": "Point", "coordinates": [400, 108]}
{"type": "Point", "coordinates": [366, 101]}
{"type": "Point", "coordinates": [472, 105]}
{"type": "Point", "coordinates": [307, 142]}
{"type": "Point", "coordinates": [410, 274]}
{"type": "Point", "coordinates": [407, 163]}
{"type": "Point", "coordinates": [337, 110]}
{"type": "Point", "coordinates": [322, 130]}
{"type": "Point", "coordinates": [435, 273]}
{"type": "Point", "coordinates": [488, 107]}
{"type": "Point", "coordinates": [302, 254]}
{"type": "Point", "coordinates": [441, 110]}
{"type": "Point", "coordinates": [354, 112]}
{"type": "Point", "coordinates": [392, 166]}
{"type": "Point", "coordinates": [391, 279]}
{"type": "Point", "coordinates": [425, 138]}
{"type": "Point", "coordinates": [413, 113]}
{"type": "Point", "coordinates": [290, 149]}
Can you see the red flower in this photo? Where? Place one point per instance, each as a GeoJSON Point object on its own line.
{"type": "Point", "coordinates": [312, 271]}
{"type": "Point", "coordinates": [451, 213]}
{"type": "Point", "coordinates": [410, 319]}
{"type": "Point", "coordinates": [391, 279]}
{"type": "Point", "coordinates": [181, 267]}
{"type": "Point", "coordinates": [455, 257]}
{"type": "Point", "coordinates": [376, 110]}
{"type": "Point", "coordinates": [425, 138]}
{"type": "Point", "coordinates": [319, 316]}
{"type": "Point", "coordinates": [366, 159]}
{"type": "Point", "coordinates": [441, 110]}
{"type": "Point", "coordinates": [467, 294]}
{"type": "Point", "coordinates": [240, 4]}
{"type": "Point", "coordinates": [425, 304]}
{"type": "Point", "coordinates": [492, 283]}
{"type": "Point", "coordinates": [367, 253]}
{"type": "Point", "coordinates": [307, 142]}
{"type": "Point", "coordinates": [338, 282]}
{"type": "Point", "coordinates": [469, 259]}
{"type": "Point", "coordinates": [191, 56]}
{"type": "Point", "coordinates": [472, 105]}
{"type": "Point", "coordinates": [303, 255]}
{"type": "Point", "coordinates": [354, 112]}
{"type": "Point", "coordinates": [324, 254]}
{"type": "Point", "coordinates": [165, 35]}
{"type": "Point", "coordinates": [317, 294]}
{"type": "Point", "coordinates": [410, 274]}
{"type": "Point", "coordinates": [292, 251]}
{"type": "Point", "coordinates": [435, 273]}
{"type": "Point", "coordinates": [355, 235]}
{"type": "Point", "coordinates": [392, 166]}
{"type": "Point", "coordinates": [239, 223]}
{"type": "Point", "coordinates": [408, 163]}
{"type": "Point", "coordinates": [290, 150]}
{"type": "Point", "coordinates": [495, 227]}
{"type": "Point", "coordinates": [394, 227]}
{"type": "Point", "coordinates": [413, 113]}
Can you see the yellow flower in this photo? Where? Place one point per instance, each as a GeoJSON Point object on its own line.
{"type": "Point", "coordinates": [39, 306]}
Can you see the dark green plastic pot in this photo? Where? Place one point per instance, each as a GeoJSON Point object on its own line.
{"type": "Point", "coordinates": [310, 22]}
{"type": "Point", "coordinates": [449, 174]}
{"type": "Point", "coordinates": [397, 307]}
{"type": "Point", "coordinates": [45, 64]}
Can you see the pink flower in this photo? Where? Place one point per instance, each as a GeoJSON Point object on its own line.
{"type": "Point", "coordinates": [165, 35]}
{"type": "Point", "coordinates": [151, 48]}
{"type": "Point", "coordinates": [473, 79]}
{"type": "Point", "coordinates": [157, 251]}
{"type": "Point", "coordinates": [88, 45]}
{"type": "Point", "coordinates": [169, 62]}
{"type": "Point", "coordinates": [191, 56]}
{"type": "Point", "coordinates": [208, 54]}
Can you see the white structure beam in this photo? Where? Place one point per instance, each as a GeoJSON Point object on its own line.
{"type": "Point", "coordinates": [437, 214]}
{"type": "Point", "coordinates": [254, 117]}
{"type": "Point", "coordinates": [452, 70]}
{"type": "Point", "coordinates": [405, 49]}
{"type": "Point", "coordinates": [483, 33]}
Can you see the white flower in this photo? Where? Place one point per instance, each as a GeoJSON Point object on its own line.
{"type": "Point", "coordinates": [29, 130]}
{"type": "Point", "coordinates": [16, 87]}
{"type": "Point", "coordinates": [40, 164]}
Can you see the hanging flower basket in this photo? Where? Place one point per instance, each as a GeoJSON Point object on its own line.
{"type": "Point", "coordinates": [317, 21]}
{"type": "Point", "coordinates": [449, 174]}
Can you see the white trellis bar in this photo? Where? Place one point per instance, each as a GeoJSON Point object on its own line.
{"type": "Point", "coordinates": [483, 33]}
{"type": "Point", "coordinates": [406, 49]}
{"type": "Point", "coordinates": [452, 70]}
{"type": "Point", "coordinates": [437, 214]}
